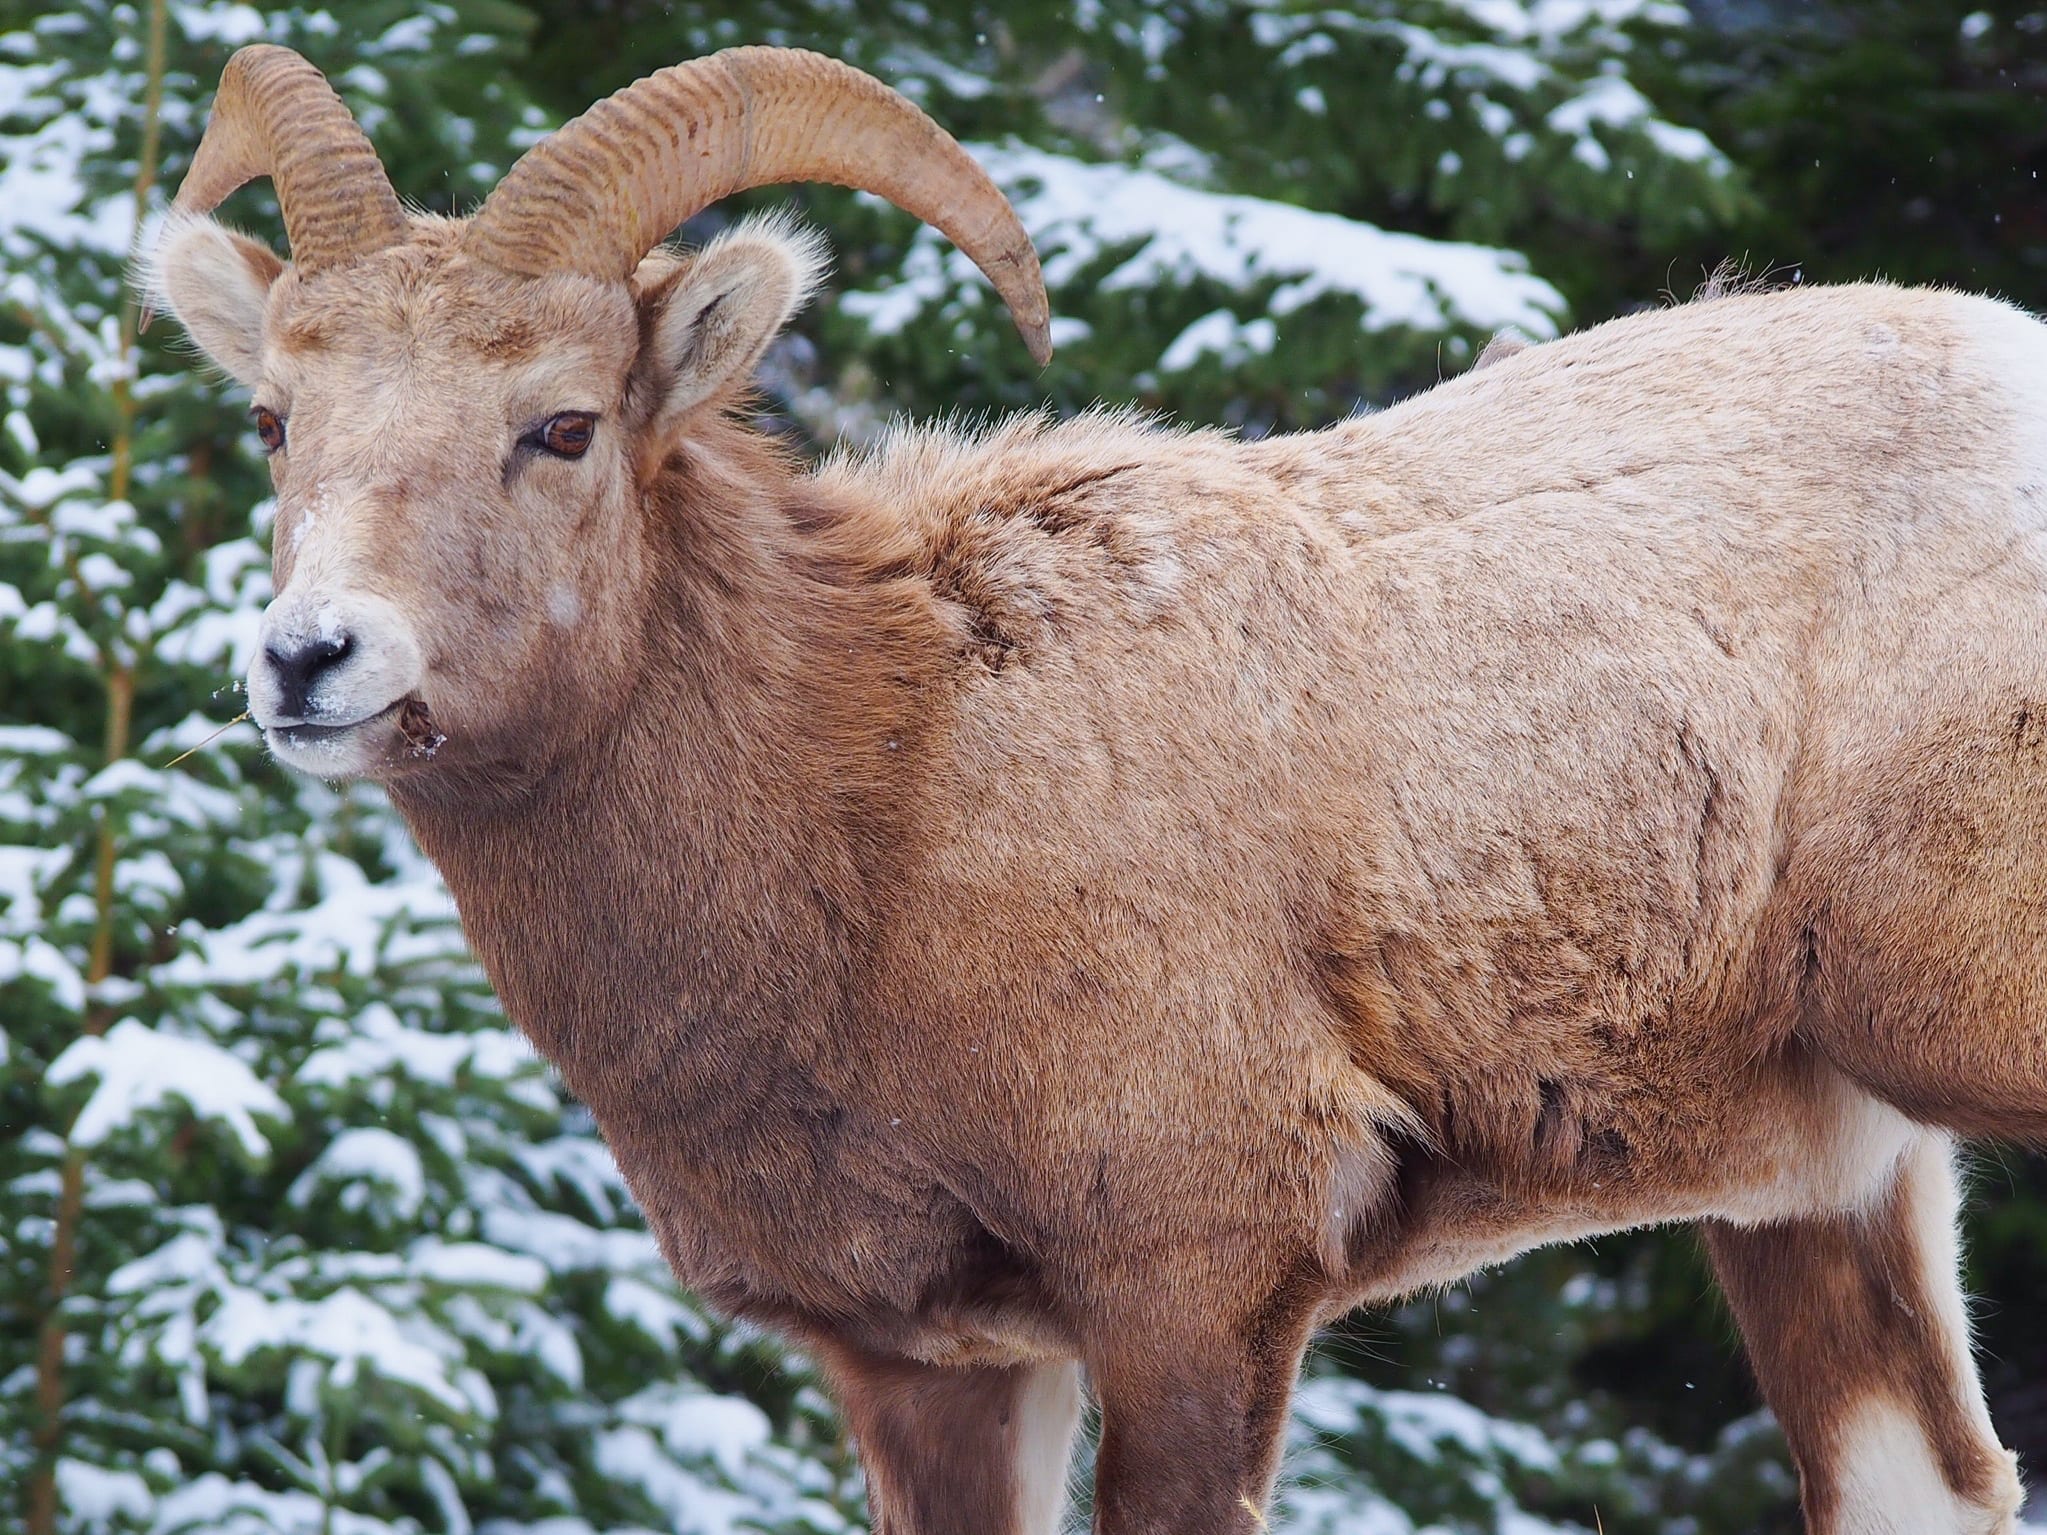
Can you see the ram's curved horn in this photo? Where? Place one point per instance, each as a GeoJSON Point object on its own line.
{"type": "Point", "coordinates": [599, 194]}
{"type": "Point", "coordinates": [275, 115]}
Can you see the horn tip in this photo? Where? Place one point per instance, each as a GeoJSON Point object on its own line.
{"type": "Point", "coordinates": [1037, 339]}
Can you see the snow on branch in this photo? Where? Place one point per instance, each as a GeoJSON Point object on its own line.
{"type": "Point", "coordinates": [1176, 235]}
{"type": "Point", "coordinates": [1530, 52]}
{"type": "Point", "coordinates": [140, 1068]}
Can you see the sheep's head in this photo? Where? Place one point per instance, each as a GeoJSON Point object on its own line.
{"type": "Point", "coordinates": [462, 416]}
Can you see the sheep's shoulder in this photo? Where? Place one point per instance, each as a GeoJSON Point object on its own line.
{"type": "Point", "coordinates": [1033, 531]}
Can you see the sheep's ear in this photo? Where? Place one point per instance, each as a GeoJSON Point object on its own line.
{"type": "Point", "coordinates": [217, 284]}
{"type": "Point", "coordinates": [708, 321]}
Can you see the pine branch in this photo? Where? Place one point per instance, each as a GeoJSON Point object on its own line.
{"type": "Point", "coordinates": [49, 1392]}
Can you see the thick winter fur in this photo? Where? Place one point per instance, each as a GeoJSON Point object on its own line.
{"type": "Point", "coordinates": [1088, 892]}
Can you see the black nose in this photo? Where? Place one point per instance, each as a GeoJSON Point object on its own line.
{"type": "Point", "coordinates": [298, 669]}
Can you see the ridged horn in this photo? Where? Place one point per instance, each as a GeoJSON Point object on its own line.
{"type": "Point", "coordinates": [275, 115]}
{"type": "Point", "coordinates": [599, 194]}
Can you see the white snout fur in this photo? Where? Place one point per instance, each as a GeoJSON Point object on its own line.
{"type": "Point", "coordinates": [382, 666]}
{"type": "Point", "coordinates": [325, 599]}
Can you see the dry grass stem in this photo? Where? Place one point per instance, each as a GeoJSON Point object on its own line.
{"type": "Point", "coordinates": [181, 756]}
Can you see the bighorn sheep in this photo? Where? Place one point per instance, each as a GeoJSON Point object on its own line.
{"type": "Point", "coordinates": [1095, 895]}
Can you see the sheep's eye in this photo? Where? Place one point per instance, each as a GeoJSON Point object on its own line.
{"type": "Point", "coordinates": [269, 428]}
{"type": "Point", "coordinates": [568, 435]}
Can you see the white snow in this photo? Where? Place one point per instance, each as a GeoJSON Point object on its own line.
{"type": "Point", "coordinates": [188, 1258]}
{"type": "Point", "coordinates": [693, 1506]}
{"type": "Point", "coordinates": [141, 1068]}
{"type": "Point", "coordinates": [694, 1424]}
{"type": "Point", "coordinates": [109, 521]}
{"type": "Point", "coordinates": [348, 1328]}
{"type": "Point", "coordinates": [93, 1495]}
{"type": "Point", "coordinates": [658, 1312]}
{"type": "Point", "coordinates": [24, 871]}
{"type": "Point", "coordinates": [213, 638]}
{"type": "Point", "coordinates": [354, 926]}
{"type": "Point", "coordinates": [566, 1244]}
{"type": "Point", "coordinates": [674, 1439]}
{"type": "Point", "coordinates": [1611, 102]}
{"type": "Point", "coordinates": [33, 740]}
{"type": "Point", "coordinates": [413, 34]}
{"type": "Point", "coordinates": [1419, 1421]}
{"type": "Point", "coordinates": [1222, 336]}
{"type": "Point", "coordinates": [1536, 50]}
{"type": "Point", "coordinates": [175, 796]}
{"type": "Point", "coordinates": [1079, 213]}
{"type": "Point", "coordinates": [550, 1342]}
{"type": "Point", "coordinates": [229, 25]}
{"type": "Point", "coordinates": [582, 1163]}
{"type": "Point", "coordinates": [40, 182]}
{"type": "Point", "coordinates": [148, 874]}
{"type": "Point", "coordinates": [475, 1266]}
{"type": "Point", "coordinates": [373, 1168]}
{"type": "Point", "coordinates": [1321, 1496]}
{"type": "Point", "coordinates": [379, 1043]}
{"type": "Point", "coordinates": [213, 1505]}
{"type": "Point", "coordinates": [41, 960]}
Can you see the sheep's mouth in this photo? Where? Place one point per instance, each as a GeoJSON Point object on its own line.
{"type": "Point", "coordinates": [408, 724]}
{"type": "Point", "coordinates": [315, 735]}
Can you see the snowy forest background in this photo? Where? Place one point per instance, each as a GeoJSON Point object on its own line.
{"type": "Point", "coordinates": [297, 1236]}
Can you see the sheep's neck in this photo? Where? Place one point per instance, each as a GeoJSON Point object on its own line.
{"type": "Point", "coordinates": [685, 884]}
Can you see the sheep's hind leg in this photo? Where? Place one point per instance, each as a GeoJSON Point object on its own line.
{"type": "Point", "coordinates": [960, 1451]}
{"type": "Point", "coordinates": [1855, 1328]}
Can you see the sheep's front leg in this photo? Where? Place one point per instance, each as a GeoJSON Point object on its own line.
{"type": "Point", "coordinates": [1854, 1325]}
{"type": "Point", "coordinates": [1192, 1428]}
{"type": "Point", "coordinates": [959, 1451]}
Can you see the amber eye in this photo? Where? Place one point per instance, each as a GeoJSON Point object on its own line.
{"type": "Point", "coordinates": [269, 428]}
{"type": "Point", "coordinates": [568, 435]}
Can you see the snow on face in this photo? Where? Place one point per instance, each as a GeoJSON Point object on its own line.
{"type": "Point", "coordinates": [564, 607]}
